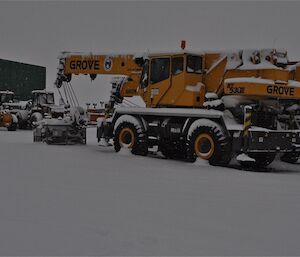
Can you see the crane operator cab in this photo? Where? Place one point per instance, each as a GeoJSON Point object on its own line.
{"type": "Point", "coordinates": [173, 80]}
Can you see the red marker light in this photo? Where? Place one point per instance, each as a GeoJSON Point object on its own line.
{"type": "Point", "coordinates": [183, 44]}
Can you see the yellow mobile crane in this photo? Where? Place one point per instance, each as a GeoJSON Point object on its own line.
{"type": "Point", "coordinates": [207, 105]}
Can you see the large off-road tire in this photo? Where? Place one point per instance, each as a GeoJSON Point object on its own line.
{"type": "Point", "coordinates": [22, 117]}
{"type": "Point", "coordinates": [262, 160]}
{"type": "Point", "coordinates": [35, 118]}
{"type": "Point", "coordinates": [190, 155]}
{"type": "Point", "coordinates": [290, 157]}
{"type": "Point", "coordinates": [207, 140]}
{"type": "Point", "coordinates": [12, 127]}
{"type": "Point", "coordinates": [23, 125]}
{"type": "Point", "coordinates": [130, 135]}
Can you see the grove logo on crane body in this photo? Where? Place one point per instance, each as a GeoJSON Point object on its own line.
{"type": "Point", "coordinates": [280, 90]}
{"type": "Point", "coordinates": [84, 65]}
{"type": "Point", "coordinates": [108, 63]}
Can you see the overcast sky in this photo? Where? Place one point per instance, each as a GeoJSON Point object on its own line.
{"type": "Point", "coordinates": [35, 32]}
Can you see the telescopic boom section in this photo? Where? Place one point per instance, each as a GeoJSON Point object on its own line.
{"type": "Point", "coordinates": [119, 65]}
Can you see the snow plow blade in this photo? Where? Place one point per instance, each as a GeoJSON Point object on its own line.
{"type": "Point", "coordinates": [60, 134]}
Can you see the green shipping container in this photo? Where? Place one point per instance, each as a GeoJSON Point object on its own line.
{"type": "Point", "coordinates": [21, 78]}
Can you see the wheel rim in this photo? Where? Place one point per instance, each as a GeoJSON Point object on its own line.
{"type": "Point", "coordinates": [126, 138]}
{"type": "Point", "coordinates": [204, 146]}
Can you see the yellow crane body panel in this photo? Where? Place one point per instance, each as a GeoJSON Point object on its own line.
{"type": "Point", "coordinates": [264, 90]}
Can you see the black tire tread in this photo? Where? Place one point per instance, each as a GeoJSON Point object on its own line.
{"type": "Point", "coordinates": [223, 151]}
{"type": "Point", "coordinates": [140, 146]}
{"type": "Point", "coordinates": [12, 127]}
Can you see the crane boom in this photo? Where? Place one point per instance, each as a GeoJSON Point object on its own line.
{"type": "Point", "coordinates": [101, 64]}
{"type": "Point", "coordinates": [126, 65]}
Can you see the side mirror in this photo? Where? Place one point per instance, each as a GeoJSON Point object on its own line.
{"type": "Point", "coordinates": [139, 61]}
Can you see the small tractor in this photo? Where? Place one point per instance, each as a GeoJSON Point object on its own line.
{"type": "Point", "coordinates": [7, 119]}
{"type": "Point", "coordinates": [6, 97]}
{"type": "Point", "coordinates": [63, 124]}
{"type": "Point", "coordinates": [41, 105]}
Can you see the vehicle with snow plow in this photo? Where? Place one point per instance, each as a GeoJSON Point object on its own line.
{"type": "Point", "coordinates": [63, 124]}
{"type": "Point", "coordinates": [208, 105]}
{"type": "Point", "coordinates": [20, 109]}
{"type": "Point", "coordinates": [7, 119]}
{"type": "Point", "coordinates": [6, 96]}
{"type": "Point", "coordinates": [32, 111]}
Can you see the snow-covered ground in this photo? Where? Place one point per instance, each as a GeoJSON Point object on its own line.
{"type": "Point", "coordinates": [88, 200]}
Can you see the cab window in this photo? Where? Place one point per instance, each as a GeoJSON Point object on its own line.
{"type": "Point", "coordinates": [5, 98]}
{"type": "Point", "coordinates": [44, 99]}
{"type": "Point", "coordinates": [177, 65]}
{"type": "Point", "coordinates": [50, 99]}
{"type": "Point", "coordinates": [160, 69]}
{"type": "Point", "coordinates": [194, 64]}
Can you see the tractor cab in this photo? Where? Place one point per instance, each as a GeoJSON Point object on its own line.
{"type": "Point", "coordinates": [42, 101]}
{"type": "Point", "coordinates": [6, 97]}
{"type": "Point", "coordinates": [42, 97]}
